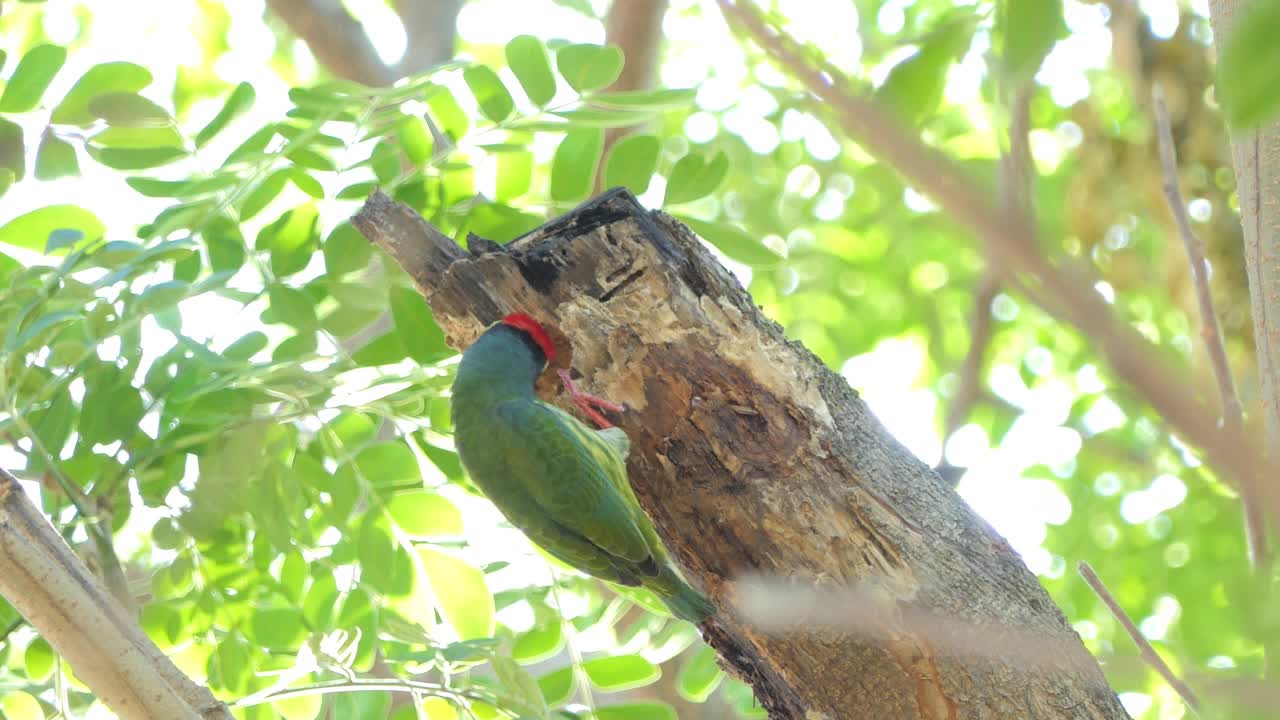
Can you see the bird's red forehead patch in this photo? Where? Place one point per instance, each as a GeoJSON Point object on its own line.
{"type": "Point", "coordinates": [523, 322]}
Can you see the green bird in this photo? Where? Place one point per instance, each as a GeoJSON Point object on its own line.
{"type": "Point", "coordinates": [561, 482]}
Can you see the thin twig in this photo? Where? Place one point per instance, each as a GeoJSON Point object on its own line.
{"type": "Point", "coordinates": [1232, 412]}
{"type": "Point", "coordinates": [1148, 653]}
{"type": "Point", "coordinates": [980, 331]}
{"type": "Point", "coordinates": [1211, 332]}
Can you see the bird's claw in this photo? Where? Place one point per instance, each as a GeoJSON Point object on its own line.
{"type": "Point", "coordinates": [589, 403]}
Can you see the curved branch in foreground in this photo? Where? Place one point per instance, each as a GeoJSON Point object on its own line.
{"type": "Point", "coordinates": [49, 585]}
{"type": "Point", "coordinates": [851, 581]}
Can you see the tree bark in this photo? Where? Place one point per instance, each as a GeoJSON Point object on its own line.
{"type": "Point", "coordinates": [1255, 154]}
{"type": "Point", "coordinates": [49, 585]}
{"type": "Point", "coordinates": [762, 469]}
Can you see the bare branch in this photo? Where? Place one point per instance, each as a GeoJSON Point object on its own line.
{"type": "Point", "coordinates": [1211, 333]}
{"type": "Point", "coordinates": [635, 26]}
{"type": "Point", "coordinates": [431, 27]}
{"type": "Point", "coordinates": [980, 331]}
{"type": "Point", "coordinates": [50, 587]}
{"type": "Point", "coordinates": [1147, 652]}
{"type": "Point", "coordinates": [1232, 413]}
{"type": "Point", "coordinates": [336, 39]}
{"type": "Point", "coordinates": [1061, 290]}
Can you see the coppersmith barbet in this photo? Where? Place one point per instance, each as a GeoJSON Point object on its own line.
{"type": "Point", "coordinates": [561, 482]}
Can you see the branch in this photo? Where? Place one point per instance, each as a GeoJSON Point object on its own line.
{"type": "Point", "coordinates": [1148, 653]}
{"type": "Point", "coordinates": [336, 39]}
{"type": "Point", "coordinates": [1211, 333]}
{"type": "Point", "coordinates": [635, 26]}
{"type": "Point", "coordinates": [432, 28]}
{"type": "Point", "coordinates": [341, 45]}
{"type": "Point", "coordinates": [50, 587]}
{"type": "Point", "coordinates": [1062, 291]}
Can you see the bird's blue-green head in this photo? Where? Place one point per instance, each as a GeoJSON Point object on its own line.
{"type": "Point", "coordinates": [507, 358]}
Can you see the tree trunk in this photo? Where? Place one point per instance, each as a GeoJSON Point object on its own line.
{"type": "Point", "coordinates": [851, 581]}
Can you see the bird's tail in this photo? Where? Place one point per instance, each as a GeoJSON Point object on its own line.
{"type": "Point", "coordinates": [684, 602]}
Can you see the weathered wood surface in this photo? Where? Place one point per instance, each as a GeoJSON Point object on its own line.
{"type": "Point", "coordinates": [757, 461]}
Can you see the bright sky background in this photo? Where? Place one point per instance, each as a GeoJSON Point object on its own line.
{"type": "Point", "coordinates": [154, 34]}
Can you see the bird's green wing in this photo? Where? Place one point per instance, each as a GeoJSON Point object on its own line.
{"type": "Point", "coordinates": [573, 475]}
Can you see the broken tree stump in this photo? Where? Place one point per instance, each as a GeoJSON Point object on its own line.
{"type": "Point", "coordinates": [851, 581]}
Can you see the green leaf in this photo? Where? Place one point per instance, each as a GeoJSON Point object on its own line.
{"type": "Point", "coordinates": [631, 163]}
{"type": "Point", "coordinates": [237, 102]}
{"type": "Point", "coordinates": [384, 565]}
{"type": "Point", "coordinates": [98, 80]}
{"type": "Point", "coordinates": [528, 60]}
{"type": "Point", "coordinates": [292, 239]}
{"type": "Point", "coordinates": [596, 117]}
{"type": "Point", "coordinates": [700, 676]}
{"type": "Point", "coordinates": [291, 307]}
{"type": "Point", "coordinates": [449, 116]}
{"type": "Point", "coordinates": [263, 194]}
{"type": "Point", "coordinates": [425, 514]}
{"type": "Point", "coordinates": [162, 295]}
{"type": "Point", "coordinates": [694, 177]}
{"type": "Point", "coordinates": [248, 345]}
{"type": "Point", "coordinates": [1247, 64]}
{"type": "Point", "coordinates": [491, 95]}
{"type": "Point", "coordinates": [39, 660]}
{"type": "Point", "coordinates": [346, 251]}
{"type": "Point", "coordinates": [141, 137]}
{"type": "Point", "coordinates": [306, 183]}
{"type": "Point", "coordinates": [1028, 30]}
{"type": "Point", "coordinates": [356, 191]}
{"type": "Point", "coordinates": [312, 159]}
{"type": "Point", "coordinates": [621, 672]}
{"type": "Point", "coordinates": [62, 238]}
{"type": "Point", "coordinates": [650, 710]}
{"type": "Point", "coordinates": [557, 686]}
{"type": "Point", "coordinates": [734, 242]}
{"type": "Point", "coordinates": [382, 350]}
{"type": "Point", "coordinates": [913, 88]}
{"type": "Point", "coordinates": [13, 150]}
{"type": "Point", "coordinates": [515, 174]}
{"type": "Point", "coordinates": [521, 686]}
{"type": "Point", "coordinates": [31, 78]}
{"type": "Point", "coordinates": [415, 139]}
{"type": "Point", "coordinates": [589, 67]}
{"type": "Point", "coordinates": [573, 168]}
{"type": "Point", "coordinates": [129, 110]}
{"type": "Point", "coordinates": [293, 575]}
{"type": "Point", "coordinates": [135, 159]}
{"type": "Point", "coordinates": [540, 643]}
{"type": "Point", "coordinates": [390, 464]}
{"type": "Point", "coordinates": [319, 606]}
{"type": "Point", "coordinates": [422, 337]}
{"type": "Point", "coordinates": [18, 705]}
{"type": "Point", "coordinates": [277, 628]}
{"type": "Point", "coordinates": [299, 707]}
{"type": "Point", "coordinates": [6, 178]}
{"type": "Point", "coordinates": [295, 347]}
{"type": "Point", "coordinates": [651, 100]}
{"type": "Point", "coordinates": [461, 593]}
{"type": "Point", "coordinates": [55, 157]}
{"type": "Point", "coordinates": [251, 148]}
{"type": "Point", "coordinates": [32, 230]}
{"type": "Point", "coordinates": [225, 245]}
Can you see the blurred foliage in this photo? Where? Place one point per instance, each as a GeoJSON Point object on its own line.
{"type": "Point", "coordinates": [255, 400]}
